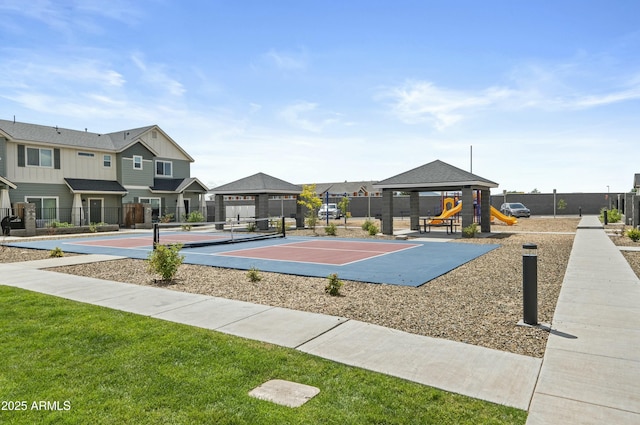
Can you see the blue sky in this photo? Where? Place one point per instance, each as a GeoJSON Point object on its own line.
{"type": "Point", "coordinates": [546, 92]}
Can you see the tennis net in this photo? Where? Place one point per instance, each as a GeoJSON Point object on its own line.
{"type": "Point", "coordinates": [194, 235]}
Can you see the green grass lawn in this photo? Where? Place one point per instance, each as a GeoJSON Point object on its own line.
{"type": "Point", "coordinates": [108, 367]}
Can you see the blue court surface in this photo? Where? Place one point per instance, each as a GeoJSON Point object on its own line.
{"type": "Point", "coordinates": [408, 263]}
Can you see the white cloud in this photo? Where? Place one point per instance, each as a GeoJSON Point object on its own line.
{"type": "Point", "coordinates": [422, 101]}
{"type": "Point", "coordinates": [69, 16]}
{"type": "Point", "coordinates": [307, 116]}
{"type": "Point", "coordinates": [286, 61]}
{"type": "Point", "coordinates": [155, 76]}
{"type": "Point", "coordinates": [553, 88]}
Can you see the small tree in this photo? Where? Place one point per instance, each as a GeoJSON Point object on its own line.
{"type": "Point", "coordinates": [343, 205]}
{"type": "Point", "coordinates": [310, 199]}
{"type": "Point", "coordinates": [562, 204]}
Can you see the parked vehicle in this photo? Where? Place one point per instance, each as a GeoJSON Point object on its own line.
{"type": "Point", "coordinates": [515, 209]}
{"type": "Point", "coordinates": [331, 209]}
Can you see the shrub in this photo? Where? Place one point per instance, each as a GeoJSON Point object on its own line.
{"type": "Point", "coordinates": [166, 218]}
{"type": "Point", "coordinates": [367, 223]}
{"type": "Point", "coordinates": [370, 227]}
{"type": "Point", "coordinates": [58, 224]}
{"type": "Point", "coordinates": [470, 231]}
{"type": "Point", "coordinates": [56, 252]}
{"type": "Point", "coordinates": [93, 227]}
{"type": "Point", "coordinates": [334, 285]}
{"type": "Point", "coordinates": [331, 229]}
{"type": "Point", "coordinates": [165, 260]}
{"type": "Point", "coordinates": [254, 275]}
{"type": "Point", "coordinates": [634, 234]}
{"type": "Point", "coordinates": [195, 217]}
{"type": "Point", "coordinates": [613, 215]}
{"type": "Point", "coordinates": [251, 227]}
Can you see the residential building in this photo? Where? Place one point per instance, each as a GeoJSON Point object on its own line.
{"type": "Point", "coordinates": [82, 177]}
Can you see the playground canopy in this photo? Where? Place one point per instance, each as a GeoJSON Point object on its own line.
{"type": "Point", "coordinates": [436, 176]}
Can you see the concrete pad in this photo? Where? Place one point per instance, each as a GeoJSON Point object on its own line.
{"type": "Point", "coordinates": [212, 313]}
{"type": "Point", "coordinates": [285, 393]}
{"type": "Point", "coordinates": [149, 301]}
{"type": "Point", "coordinates": [20, 277]}
{"type": "Point", "coordinates": [603, 315]}
{"type": "Point", "coordinates": [595, 339]}
{"type": "Point", "coordinates": [77, 288]}
{"type": "Point", "coordinates": [587, 378]}
{"type": "Point", "coordinates": [281, 326]}
{"type": "Point", "coordinates": [610, 295]}
{"type": "Point", "coordinates": [478, 372]}
{"type": "Point", "coordinates": [548, 410]}
{"type": "Point", "coordinates": [590, 222]}
{"type": "Point", "coordinates": [68, 261]}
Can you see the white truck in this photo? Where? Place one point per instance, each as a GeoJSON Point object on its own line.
{"type": "Point", "coordinates": [331, 209]}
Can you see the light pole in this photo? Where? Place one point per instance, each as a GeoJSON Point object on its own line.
{"type": "Point", "coordinates": [608, 199]}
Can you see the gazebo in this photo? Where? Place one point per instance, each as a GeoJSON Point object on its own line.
{"type": "Point", "coordinates": [436, 176]}
{"type": "Point", "coordinates": [259, 185]}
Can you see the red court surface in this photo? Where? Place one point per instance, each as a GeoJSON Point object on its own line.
{"type": "Point", "coordinates": [331, 252]}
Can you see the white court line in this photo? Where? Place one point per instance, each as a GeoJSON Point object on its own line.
{"type": "Point", "coordinates": [379, 254]}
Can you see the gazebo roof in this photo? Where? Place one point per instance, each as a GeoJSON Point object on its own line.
{"type": "Point", "coordinates": [259, 183]}
{"type": "Point", "coordinates": [436, 175]}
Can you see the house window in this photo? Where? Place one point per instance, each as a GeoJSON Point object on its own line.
{"type": "Point", "coordinates": [137, 162]}
{"type": "Point", "coordinates": [106, 160]}
{"type": "Point", "coordinates": [164, 168]}
{"type": "Point", "coordinates": [37, 157]}
{"type": "Point", "coordinates": [46, 208]}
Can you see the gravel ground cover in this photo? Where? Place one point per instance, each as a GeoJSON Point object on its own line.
{"type": "Point", "coordinates": [478, 303]}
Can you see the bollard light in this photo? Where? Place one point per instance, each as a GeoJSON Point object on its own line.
{"type": "Point", "coordinates": [530, 284]}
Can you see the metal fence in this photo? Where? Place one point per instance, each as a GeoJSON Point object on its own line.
{"type": "Point", "coordinates": [177, 214]}
{"type": "Point", "coordinates": [128, 215]}
{"type": "Point", "coordinates": [82, 216]}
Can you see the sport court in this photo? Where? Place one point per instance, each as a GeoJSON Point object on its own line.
{"type": "Point", "coordinates": [408, 263]}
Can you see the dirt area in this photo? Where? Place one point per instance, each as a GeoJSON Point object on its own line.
{"type": "Point", "coordinates": [478, 303]}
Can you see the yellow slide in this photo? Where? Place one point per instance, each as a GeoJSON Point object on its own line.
{"type": "Point", "coordinates": [446, 213]}
{"type": "Point", "coordinates": [497, 214]}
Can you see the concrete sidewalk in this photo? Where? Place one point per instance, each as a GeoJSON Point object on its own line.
{"type": "Point", "coordinates": [491, 375]}
{"type": "Point", "coordinates": [591, 368]}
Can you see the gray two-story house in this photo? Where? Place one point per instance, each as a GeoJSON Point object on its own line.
{"type": "Point", "coordinates": [81, 177]}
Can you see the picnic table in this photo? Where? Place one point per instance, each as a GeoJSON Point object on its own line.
{"type": "Point", "coordinates": [429, 222]}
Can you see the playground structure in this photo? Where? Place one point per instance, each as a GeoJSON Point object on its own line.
{"type": "Point", "coordinates": [450, 208]}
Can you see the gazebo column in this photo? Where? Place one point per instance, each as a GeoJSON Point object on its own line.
{"type": "Point", "coordinates": [387, 211]}
{"type": "Point", "coordinates": [220, 214]}
{"type": "Point", "coordinates": [485, 211]}
{"type": "Point", "coordinates": [262, 210]}
{"type": "Point", "coordinates": [467, 206]}
{"type": "Point", "coordinates": [299, 215]}
{"type": "Point", "coordinates": [414, 210]}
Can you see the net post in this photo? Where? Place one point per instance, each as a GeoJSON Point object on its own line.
{"type": "Point", "coordinates": [284, 231]}
{"type": "Point", "coordinates": [156, 235]}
